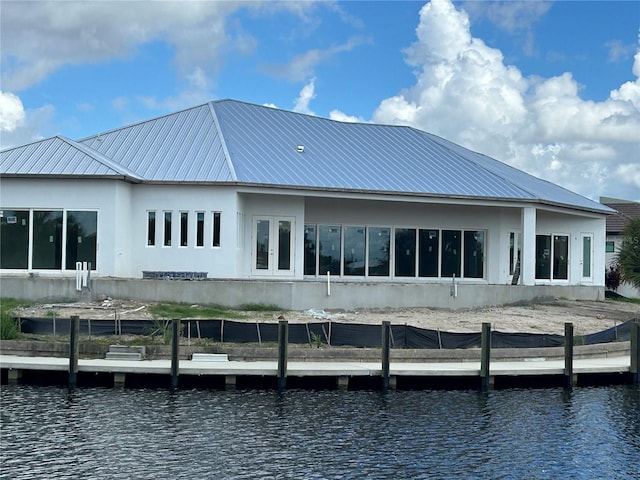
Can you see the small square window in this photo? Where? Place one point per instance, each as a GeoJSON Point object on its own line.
{"type": "Point", "coordinates": [610, 247]}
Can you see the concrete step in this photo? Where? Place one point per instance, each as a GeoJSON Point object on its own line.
{"type": "Point", "coordinates": [128, 349]}
{"type": "Point", "coordinates": [210, 357]}
{"type": "Point", "coordinates": [123, 356]}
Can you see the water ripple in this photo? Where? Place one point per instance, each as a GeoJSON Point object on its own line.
{"type": "Point", "coordinates": [149, 434]}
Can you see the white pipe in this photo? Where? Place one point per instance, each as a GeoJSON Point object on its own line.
{"type": "Point", "coordinates": [328, 284]}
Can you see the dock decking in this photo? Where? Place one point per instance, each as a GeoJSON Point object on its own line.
{"type": "Point", "coordinates": [342, 371]}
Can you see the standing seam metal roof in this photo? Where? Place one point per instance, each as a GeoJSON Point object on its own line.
{"type": "Point", "coordinates": [229, 141]}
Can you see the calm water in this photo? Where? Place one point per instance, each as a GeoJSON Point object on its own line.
{"type": "Point", "coordinates": [521, 434]}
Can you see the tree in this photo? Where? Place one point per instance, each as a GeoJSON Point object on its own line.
{"type": "Point", "coordinates": [628, 257]}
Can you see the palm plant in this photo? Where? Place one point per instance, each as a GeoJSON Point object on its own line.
{"type": "Point", "coordinates": [628, 257]}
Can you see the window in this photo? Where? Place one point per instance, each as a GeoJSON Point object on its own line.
{"type": "Point", "coordinates": [586, 256]}
{"type": "Point", "coordinates": [216, 229]}
{"type": "Point", "coordinates": [379, 243]}
{"type": "Point", "coordinates": [151, 228]}
{"type": "Point", "coordinates": [405, 242]}
{"type": "Point", "coordinates": [329, 249]}
{"type": "Point", "coordinates": [451, 244]}
{"type": "Point", "coordinates": [428, 254]}
{"type": "Point", "coordinates": [199, 229]}
{"type": "Point", "coordinates": [552, 257]}
{"type": "Point", "coordinates": [14, 239]}
{"type": "Point", "coordinates": [473, 254]}
{"type": "Point", "coordinates": [354, 250]}
{"type": "Point", "coordinates": [184, 229]}
{"type": "Point", "coordinates": [47, 239]}
{"type": "Point", "coordinates": [515, 249]}
{"type": "Point", "coordinates": [167, 229]}
{"type": "Point", "coordinates": [560, 257]}
{"type": "Point", "coordinates": [82, 229]}
{"type": "Point", "coordinates": [610, 247]}
{"type": "Point", "coordinates": [310, 249]}
{"type": "Point", "coordinates": [284, 245]}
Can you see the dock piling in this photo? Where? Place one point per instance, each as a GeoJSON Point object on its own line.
{"type": "Point", "coordinates": [635, 353]}
{"type": "Point", "coordinates": [386, 348]}
{"type": "Point", "coordinates": [74, 330]}
{"type": "Point", "coordinates": [175, 350]}
{"type": "Point", "coordinates": [569, 377]}
{"type": "Point", "coordinates": [283, 341]}
{"type": "Point", "coordinates": [485, 357]}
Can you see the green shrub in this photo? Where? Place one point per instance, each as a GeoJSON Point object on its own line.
{"type": "Point", "coordinates": [9, 328]}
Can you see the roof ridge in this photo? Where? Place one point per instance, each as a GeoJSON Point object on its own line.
{"type": "Point", "coordinates": [100, 158]}
{"type": "Point", "coordinates": [223, 142]}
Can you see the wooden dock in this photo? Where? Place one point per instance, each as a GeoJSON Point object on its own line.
{"type": "Point", "coordinates": [342, 372]}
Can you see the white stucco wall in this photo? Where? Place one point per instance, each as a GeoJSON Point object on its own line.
{"type": "Point", "coordinates": [107, 197]}
{"type": "Point", "coordinates": [218, 262]}
{"type": "Point", "coordinates": [122, 208]}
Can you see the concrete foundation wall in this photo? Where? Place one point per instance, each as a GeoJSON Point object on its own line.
{"type": "Point", "coordinates": [294, 295]}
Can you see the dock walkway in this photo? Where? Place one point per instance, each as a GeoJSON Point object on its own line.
{"type": "Point", "coordinates": [338, 369]}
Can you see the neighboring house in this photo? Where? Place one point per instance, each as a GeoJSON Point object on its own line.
{"type": "Point", "coordinates": [625, 211]}
{"type": "Point", "coordinates": [276, 205]}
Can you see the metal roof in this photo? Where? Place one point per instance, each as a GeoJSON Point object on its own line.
{"type": "Point", "coordinates": [59, 156]}
{"type": "Point", "coordinates": [231, 141]}
{"type": "Point", "coordinates": [184, 146]}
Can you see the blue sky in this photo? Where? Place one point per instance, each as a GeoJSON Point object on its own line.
{"type": "Point", "coordinates": [552, 88]}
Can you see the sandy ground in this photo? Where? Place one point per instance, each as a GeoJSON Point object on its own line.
{"type": "Point", "coordinates": [587, 316]}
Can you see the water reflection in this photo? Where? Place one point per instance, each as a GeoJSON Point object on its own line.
{"type": "Point", "coordinates": [109, 433]}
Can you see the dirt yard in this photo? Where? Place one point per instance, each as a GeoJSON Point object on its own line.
{"type": "Point", "coordinates": [587, 316]}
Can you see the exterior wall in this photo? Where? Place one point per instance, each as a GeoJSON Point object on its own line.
{"type": "Point", "coordinates": [549, 223]}
{"type": "Point", "coordinates": [218, 262]}
{"type": "Point", "coordinates": [296, 295]}
{"type": "Point", "coordinates": [108, 197]}
{"type": "Point", "coordinates": [122, 208]}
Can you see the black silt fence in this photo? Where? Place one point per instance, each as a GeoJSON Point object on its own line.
{"type": "Point", "coordinates": [336, 334]}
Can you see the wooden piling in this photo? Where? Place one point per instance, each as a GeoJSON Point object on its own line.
{"type": "Point", "coordinates": [283, 342]}
{"type": "Point", "coordinates": [569, 379]}
{"type": "Point", "coordinates": [485, 357]}
{"type": "Point", "coordinates": [175, 351]}
{"type": "Point", "coordinates": [635, 353]}
{"type": "Point", "coordinates": [74, 331]}
{"type": "Point", "coordinates": [386, 349]}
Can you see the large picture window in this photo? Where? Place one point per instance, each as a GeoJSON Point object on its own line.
{"type": "Point", "coordinates": [82, 229]}
{"type": "Point", "coordinates": [14, 239]}
{"type": "Point", "coordinates": [399, 252]}
{"type": "Point", "coordinates": [354, 250]}
{"type": "Point", "coordinates": [473, 254]}
{"type": "Point", "coordinates": [429, 248]}
{"type": "Point", "coordinates": [451, 245]}
{"type": "Point", "coordinates": [379, 247]}
{"type": "Point", "coordinates": [405, 252]}
{"type": "Point", "coordinates": [47, 240]}
{"type": "Point", "coordinates": [310, 249]}
{"type": "Point", "coordinates": [329, 249]}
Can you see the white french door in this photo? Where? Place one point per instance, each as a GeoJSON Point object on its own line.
{"type": "Point", "coordinates": [273, 240]}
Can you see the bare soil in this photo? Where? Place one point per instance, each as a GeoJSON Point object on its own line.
{"type": "Point", "coordinates": [586, 316]}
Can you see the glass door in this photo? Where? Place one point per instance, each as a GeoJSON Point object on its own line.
{"type": "Point", "coordinates": [272, 246]}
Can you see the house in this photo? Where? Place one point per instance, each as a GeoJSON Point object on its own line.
{"type": "Point", "coordinates": [277, 207]}
{"type": "Point", "coordinates": [625, 211]}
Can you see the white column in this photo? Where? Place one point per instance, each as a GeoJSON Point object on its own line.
{"type": "Point", "coordinates": [528, 260]}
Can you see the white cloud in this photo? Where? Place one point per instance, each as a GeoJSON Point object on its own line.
{"type": "Point", "coordinates": [47, 35]}
{"type": "Point", "coordinates": [306, 95]}
{"type": "Point", "coordinates": [11, 112]}
{"type": "Point", "coordinates": [465, 92]}
{"type": "Point", "coordinates": [343, 117]}
{"type": "Point", "coordinates": [303, 66]}
{"type": "Point", "coordinates": [19, 125]}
